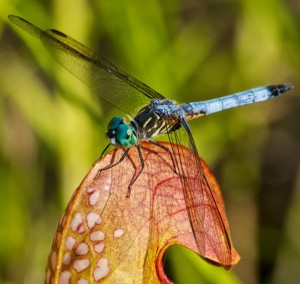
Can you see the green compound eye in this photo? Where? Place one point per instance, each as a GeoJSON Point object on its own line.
{"type": "Point", "coordinates": [115, 122]}
{"type": "Point", "coordinates": [120, 133]}
{"type": "Point", "coordinates": [125, 136]}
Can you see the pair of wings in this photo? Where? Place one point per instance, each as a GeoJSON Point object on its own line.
{"type": "Point", "coordinates": [128, 94]}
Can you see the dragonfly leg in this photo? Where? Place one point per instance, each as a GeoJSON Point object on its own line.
{"type": "Point", "coordinates": [167, 150]}
{"type": "Point", "coordinates": [111, 166]}
{"type": "Point", "coordinates": [102, 154]}
{"type": "Point", "coordinates": [142, 168]}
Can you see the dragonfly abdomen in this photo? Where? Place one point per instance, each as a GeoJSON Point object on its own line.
{"type": "Point", "coordinates": [260, 94]}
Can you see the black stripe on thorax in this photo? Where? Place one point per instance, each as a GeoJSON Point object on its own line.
{"type": "Point", "coordinates": [149, 123]}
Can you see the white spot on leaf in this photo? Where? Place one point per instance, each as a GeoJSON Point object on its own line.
{"type": "Point", "coordinates": [67, 258]}
{"type": "Point", "coordinates": [76, 222]}
{"type": "Point", "coordinates": [119, 233]}
{"type": "Point", "coordinates": [70, 242]}
{"type": "Point", "coordinates": [97, 236]}
{"type": "Point", "coordinates": [65, 277]}
{"type": "Point", "coordinates": [81, 264]}
{"type": "Point", "coordinates": [98, 248]}
{"type": "Point", "coordinates": [94, 198]}
{"type": "Point", "coordinates": [102, 269]}
{"type": "Point", "coordinates": [107, 185]}
{"type": "Point", "coordinates": [93, 219]}
{"type": "Point", "coordinates": [90, 190]}
{"type": "Point", "coordinates": [82, 249]}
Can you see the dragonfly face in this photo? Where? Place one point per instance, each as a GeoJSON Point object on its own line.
{"type": "Point", "coordinates": [121, 134]}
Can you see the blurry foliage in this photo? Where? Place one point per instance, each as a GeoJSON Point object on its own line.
{"type": "Point", "coordinates": [52, 130]}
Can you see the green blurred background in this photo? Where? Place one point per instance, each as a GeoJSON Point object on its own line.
{"type": "Point", "coordinates": [52, 130]}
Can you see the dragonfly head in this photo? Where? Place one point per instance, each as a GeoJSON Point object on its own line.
{"type": "Point", "coordinates": [120, 134]}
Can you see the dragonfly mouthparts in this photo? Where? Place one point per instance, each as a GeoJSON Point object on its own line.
{"type": "Point", "coordinates": [112, 141]}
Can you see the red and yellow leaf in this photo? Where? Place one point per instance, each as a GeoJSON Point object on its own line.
{"type": "Point", "coordinates": [106, 236]}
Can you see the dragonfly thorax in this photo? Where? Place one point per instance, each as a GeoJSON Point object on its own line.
{"type": "Point", "coordinates": [157, 118]}
{"type": "Point", "coordinates": [121, 134]}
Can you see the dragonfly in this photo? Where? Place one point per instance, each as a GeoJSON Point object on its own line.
{"type": "Point", "coordinates": [157, 115]}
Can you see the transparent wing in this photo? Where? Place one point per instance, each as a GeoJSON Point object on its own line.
{"type": "Point", "coordinates": [205, 218]}
{"type": "Point", "coordinates": [112, 84]}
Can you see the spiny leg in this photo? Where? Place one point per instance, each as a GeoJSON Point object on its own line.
{"type": "Point", "coordinates": [120, 160]}
{"type": "Point", "coordinates": [111, 166]}
{"type": "Point", "coordinates": [102, 154]}
{"type": "Point", "coordinates": [142, 168]}
{"type": "Point", "coordinates": [167, 150]}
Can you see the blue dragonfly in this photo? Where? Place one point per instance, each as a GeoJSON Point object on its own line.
{"type": "Point", "coordinates": [157, 115]}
